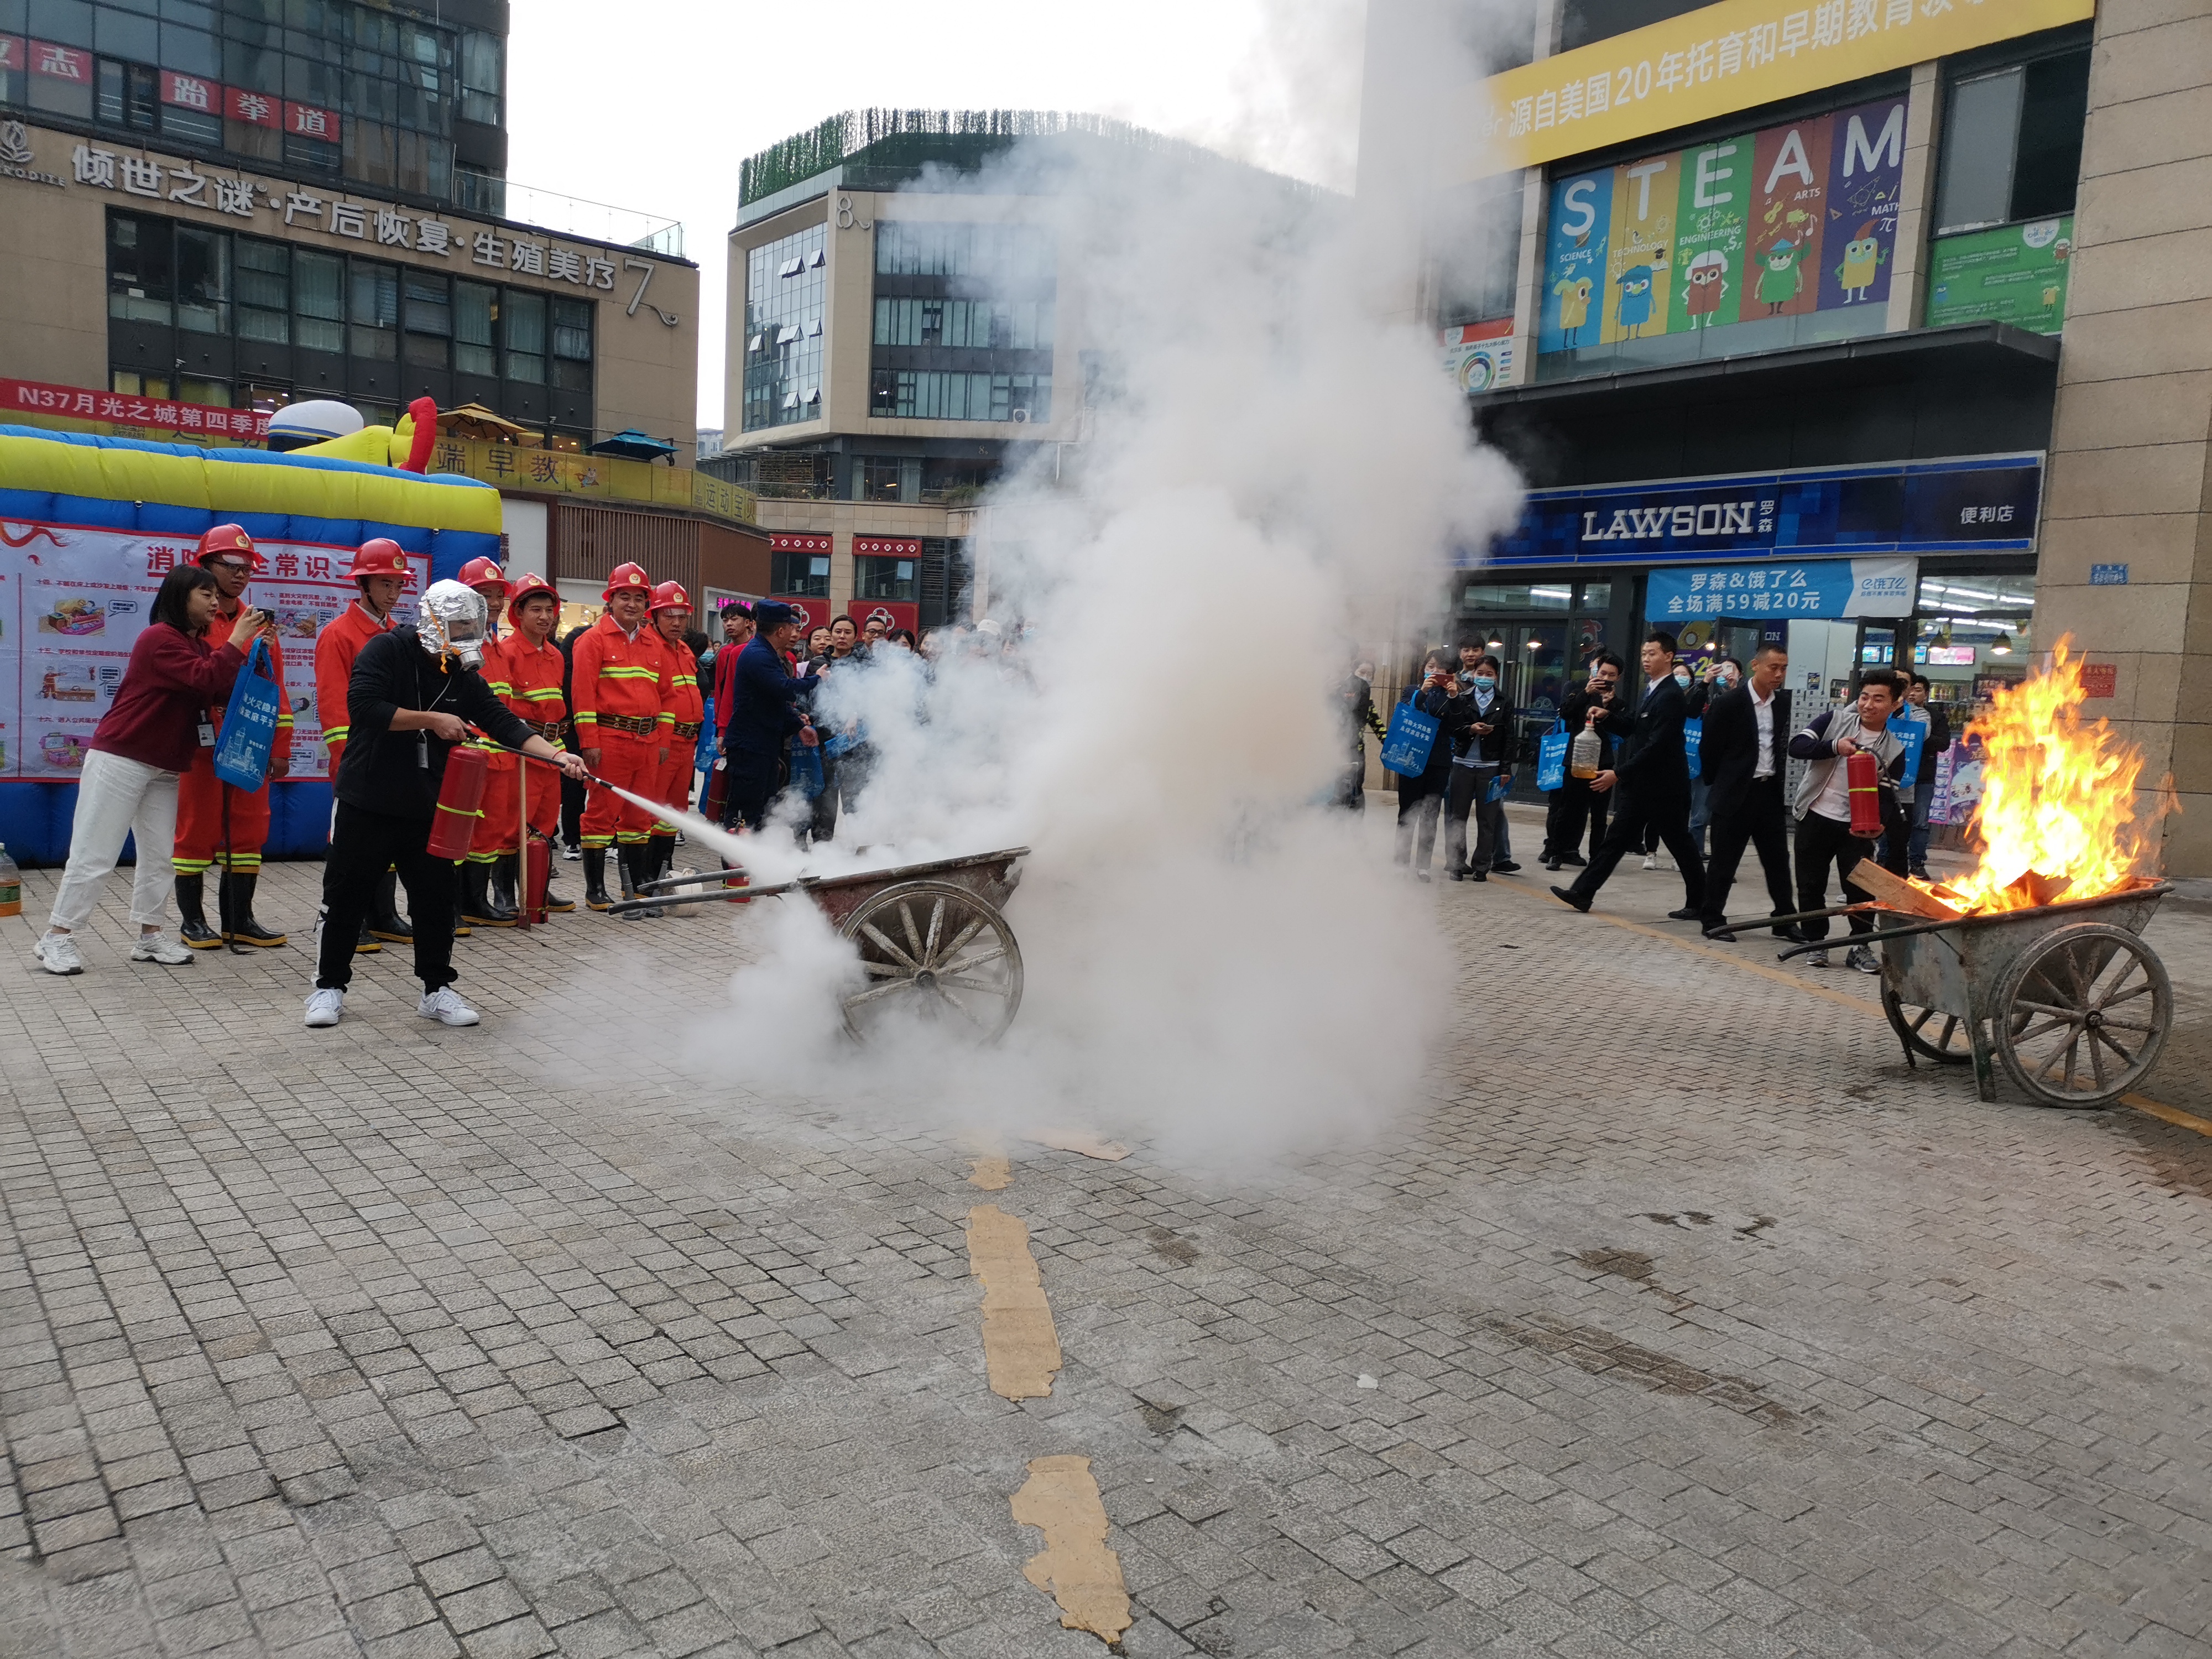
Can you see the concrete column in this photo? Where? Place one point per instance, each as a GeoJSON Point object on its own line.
{"type": "Point", "coordinates": [2130, 469]}
{"type": "Point", "coordinates": [1924, 133]}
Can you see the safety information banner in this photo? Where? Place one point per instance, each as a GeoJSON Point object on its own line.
{"type": "Point", "coordinates": [73, 600]}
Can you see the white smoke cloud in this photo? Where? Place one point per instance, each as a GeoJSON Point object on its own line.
{"type": "Point", "coordinates": [1214, 960]}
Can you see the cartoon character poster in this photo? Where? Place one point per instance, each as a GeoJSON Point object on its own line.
{"type": "Point", "coordinates": [1782, 255]}
{"type": "Point", "coordinates": [1865, 179]}
{"type": "Point", "coordinates": [1638, 262]}
{"type": "Point", "coordinates": [1709, 239]}
{"type": "Point", "coordinates": [1580, 227]}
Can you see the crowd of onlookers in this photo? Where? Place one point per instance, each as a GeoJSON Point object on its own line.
{"type": "Point", "coordinates": [1696, 762]}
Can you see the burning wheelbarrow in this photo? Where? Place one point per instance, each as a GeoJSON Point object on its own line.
{"type": "Point", "coordinates": [2067, 997]}
{"type": "Point", "coordinates": [933, 937]}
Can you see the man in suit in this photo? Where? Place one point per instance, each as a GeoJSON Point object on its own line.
{"type": "Point", "coordinates": [1741, 759]}
{"type": "Point", "coordinates": [1652, 773]}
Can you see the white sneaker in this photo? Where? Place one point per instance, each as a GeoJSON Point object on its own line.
{"type": "Point", "coordinates": [1651, 861]}
{"type": "Point", "coordinates": [58, 954]}
{"type": "Point", "coordinates": [160, 947]}
{"type": "Point", "coordinates": [444, 1005]}
{"type": "Point", "coordinates": [323, 1008]}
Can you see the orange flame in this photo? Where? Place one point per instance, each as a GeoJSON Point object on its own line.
{"type": "Point", "coordinates": [2057, 815]}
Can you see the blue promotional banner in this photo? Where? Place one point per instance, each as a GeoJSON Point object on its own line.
{"type": "Point", "coordinates": [1574, 268]}
{"type": "Point", "coordinates": [1824, 587]}
{"type": "Point", "coordinates": [1985, 506]}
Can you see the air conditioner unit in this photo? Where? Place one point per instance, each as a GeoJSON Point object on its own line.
{"type": "Point", "coordinates": [1021, 417]}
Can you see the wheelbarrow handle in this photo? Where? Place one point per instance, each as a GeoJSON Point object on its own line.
{"type": "Point", "coordinates": [720, 895]}
{"type": "Point", "coordinates": [1879, 933]}
{"type": "Point", "coordinates": [1749, 923]}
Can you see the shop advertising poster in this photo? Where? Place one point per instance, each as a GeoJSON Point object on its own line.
{"type": "Point", "coordinates": [1640, 249]}
{"type": "Point", "coordinates": [73, 601]}
{"type": "Point", "coordinates": [1783, 268]}
{"type": "Point", "coordinates": [1865, 179]}
{"type": "Point", "coordinates": [1710, 222]}
{"type": "Point", "coordinates": [1478, 357]}
{"type": "Point", "coordinates": [1574, 266]}
{"type": "Point", "coordinates": [2015, 274]}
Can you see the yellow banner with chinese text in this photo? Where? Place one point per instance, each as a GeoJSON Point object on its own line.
{"type": "Point", "coordinates": [1735, 55]}
{"type": "Point", "coordinates": [568, 472]}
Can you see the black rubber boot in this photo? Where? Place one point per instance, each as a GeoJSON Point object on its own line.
{"type": "Point", "coordinates": [366, 945]}
{"type": "Point", "coordinates": [385, 921]}
{"type": "Point", "coordinates": [629, 854]}
{"type": "Point", "coordinates": [595, 879]}
{"type": "Point", "coordinates": [506, 890]}
{"type": "Point", "coordinates": [191, 916]}
{"type": "Point", "coordinates": [480, 906]}
{"type": "Point", "coordinates": [235, 898]}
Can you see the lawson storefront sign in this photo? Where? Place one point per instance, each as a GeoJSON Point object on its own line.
{"type": "Point", "coordinates": [1985, 505]}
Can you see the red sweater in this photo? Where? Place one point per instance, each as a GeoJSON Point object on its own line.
{"type": "Point", "coordinates": [172, 678]}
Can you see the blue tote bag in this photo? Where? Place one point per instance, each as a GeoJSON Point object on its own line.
{"type": "Point", "coordinates": [1552, 757]}
{"type": "Point", "coordinates": [249, 725]}
{"type": "Point", "coordinates": [1413, 735]}
{"type": "Point", "coordinates": [1693, 737]}
{"type": "Point", "coordinates": [806, 775]}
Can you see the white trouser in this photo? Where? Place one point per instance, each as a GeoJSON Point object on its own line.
{"type": "Point", "coordinates": [117, 797]}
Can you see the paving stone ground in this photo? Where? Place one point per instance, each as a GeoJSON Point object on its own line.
{"type": "Point", "coordinates": [1703, 1327]}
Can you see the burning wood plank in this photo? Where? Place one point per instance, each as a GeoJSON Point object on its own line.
{"type": "Point", "coordinates": [1900, 894]}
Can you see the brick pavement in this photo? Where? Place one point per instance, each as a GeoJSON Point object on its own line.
{"type": "Point", "coordinates": [1696, 1325]}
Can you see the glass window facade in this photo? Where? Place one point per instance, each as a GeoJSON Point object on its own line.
{"type": "Point", "coordinates": [802, 575]}
{"type": "Point", "coordinates": [786, 283]}
{"type": "Point", "coordinates": [875, 577]}
{"type": "Point", "coordinates": [965, 315]}
{"type": "Point", "coordinates": [256, 316]}
{"type": "Point", "coordinates": [348, 90]}
{"type": "Point", "coordinates": [2012, 144]}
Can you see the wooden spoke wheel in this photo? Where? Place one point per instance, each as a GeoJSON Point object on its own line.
{"type": "Point", "coordinates": [1929, 1032]}
{"type": "Point", "coordinates": [935, 951]}
{"type": "Point", "coordinates": [2081, 1017]}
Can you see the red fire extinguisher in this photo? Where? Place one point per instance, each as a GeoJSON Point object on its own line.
{"type": "Point", "coordinates": [462, 793]}
{"type": "Point", "coordinates": [537, 873]}
{"type": "Point", "coordinates": [1862, 774]}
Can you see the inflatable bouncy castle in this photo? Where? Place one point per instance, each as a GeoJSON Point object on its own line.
{"type": "Point", "coordinates": [88, 526]}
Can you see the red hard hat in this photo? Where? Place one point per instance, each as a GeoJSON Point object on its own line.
{"type": "Point", "coordinates": [227, 538]}
{"type": "Point", "coordinates": [380, 555]}
{"type": "Point", "coordinates": [531, 585]}
{"type": "Point", "coordinates": [627, 576]}
{"type": "Point", "coordinates": [483, 573]}
{"type": "Point", "coordinates": [668, 596]}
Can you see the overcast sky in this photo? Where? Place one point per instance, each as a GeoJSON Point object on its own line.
{"type": "Point", "coordinates": [652, 104]}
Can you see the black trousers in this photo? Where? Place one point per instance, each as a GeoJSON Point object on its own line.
{"type": "Point", "coordinates": [1668, 815]}
{"type": "Point", "coordinates": [1470, 795]}
{"type": "Point", "coordinates": [1575, 804]}
{"type": "Point", "coordinates": [753, 781]}
{"type": "Point", "coordinates": [1760, 821]}
{"type": "Point", "coordinates": [363, 846]}
{"type": "Point", "coordinates": [1822, 842]}
{"type": "Point", "coordinates": [572, 811]}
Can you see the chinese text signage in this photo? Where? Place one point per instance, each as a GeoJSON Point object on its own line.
{"type": "Point", "coordinates": [1936, 507]}
{"type": "Point", "coordinates": [1708, 62]}
{"type": "Point", "coordinates": [2015, 274]}
{"type": "Point", "coordinates": [1827, 587]}
{"type": "Point", "coordinates": [1478, 357]}
{"type": "Point", "coordinates": [1794, 219]}
{"type": "Point", "coordinates": [192, 422]}
{"type": "Point", "coordinates": [73, 600]}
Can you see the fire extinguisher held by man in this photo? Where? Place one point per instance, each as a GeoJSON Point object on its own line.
{"type": "Point", "coordinates": [414, 693]}
{"type": "Point", "coordinates": [1841, 810]}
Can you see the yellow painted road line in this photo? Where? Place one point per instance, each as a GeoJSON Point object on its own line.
{"type": "Point", "coordinates": [1061, 1500]}
{"type": "Point", "coordinates": [1021, 1348]}
{"type": "Point", "coordinates": [2172, 1115]}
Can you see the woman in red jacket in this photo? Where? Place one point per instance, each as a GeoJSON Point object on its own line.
{"type": "Point", "coordinates": [142, 747]}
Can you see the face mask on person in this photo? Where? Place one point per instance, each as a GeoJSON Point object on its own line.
{"type": "Point", "coordinates": [1487, 682]}
{"type": "Point", "coordinates": [1682, 678]}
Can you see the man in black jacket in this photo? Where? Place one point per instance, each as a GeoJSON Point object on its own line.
{"type": "Point", "coordinates": [1652, 774]}
{"type": "Point", "coordinates": [1743, 761]}
{"type": "Point", "coordinates": [412, 690]}
{"type": "Point", "coordinates": [1481, 751]}
{"type": "Point", "coordinates": [1574, 803]}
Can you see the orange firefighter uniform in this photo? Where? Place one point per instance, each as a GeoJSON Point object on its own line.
{"type": "Point", "coordinates": [689, 714]}
{"type": "Point", "coordinates": [625, 707]}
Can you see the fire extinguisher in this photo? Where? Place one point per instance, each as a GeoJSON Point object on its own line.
{"type": "Point", "coordinates": [1863, 774]}
{"type": "Point", "coordinates": [462, 793]}
{"type": "Point", "coordinates": [536, 874]}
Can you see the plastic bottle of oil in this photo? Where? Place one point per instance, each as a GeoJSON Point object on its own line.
{"type": "Point", "coordinates": [11, 886]}
{"type": "Point", "coordinates": [1588, 749]}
